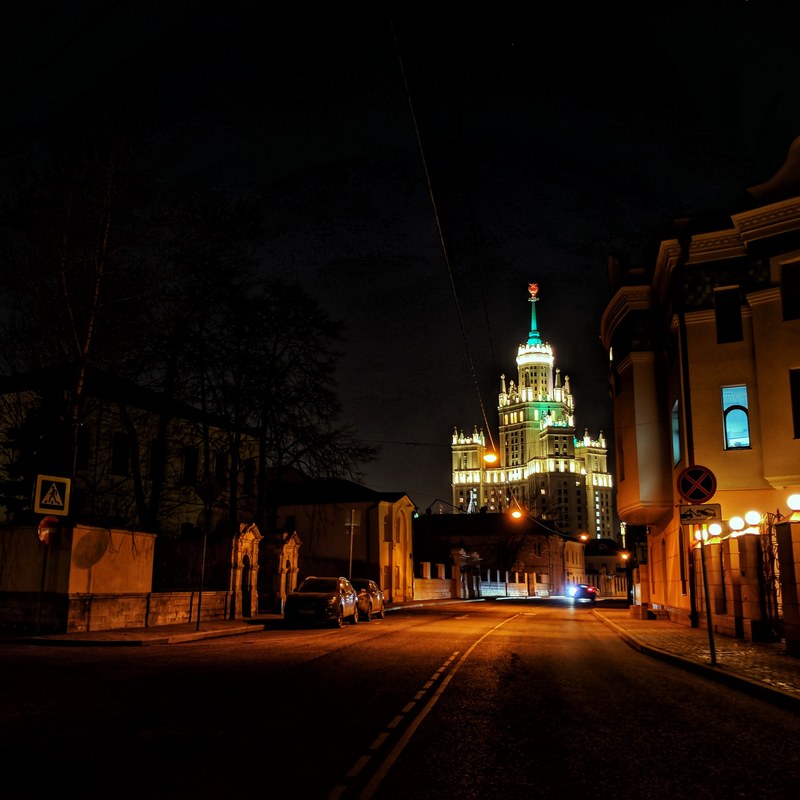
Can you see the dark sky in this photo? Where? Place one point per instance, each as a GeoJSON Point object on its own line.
{"type": "Point", "coordinates": [547, 141]}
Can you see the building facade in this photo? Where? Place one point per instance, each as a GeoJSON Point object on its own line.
{"type": "Point", "coordinates": [704, 349]}
{"type": "Point", "coordinates": [347, 529]}
{"type": "Point", "coordinates": [134, 454]}
{"type": "Point", "coordinates": [541, 465]}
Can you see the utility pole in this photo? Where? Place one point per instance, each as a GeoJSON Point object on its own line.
{"type": "Point", "coordinates": [352, 525]}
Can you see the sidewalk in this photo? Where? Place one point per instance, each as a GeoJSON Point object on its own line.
{"type": "Point", "coordinates": [160, 634]}
{"type": "Point", "coordinates": [761, 669]}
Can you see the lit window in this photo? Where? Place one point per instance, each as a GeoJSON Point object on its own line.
{"type": "Point", "coordinates": [736, 420]}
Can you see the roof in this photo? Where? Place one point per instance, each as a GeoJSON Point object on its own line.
{"type": "Point", "coordinates": [602, 547]}
{"type": "Point", "coordinates": [435, 535]}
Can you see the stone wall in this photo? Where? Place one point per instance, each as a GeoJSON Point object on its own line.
{"type": "Point", "coordinates": [29, 612]}
{"type": "Point", "coordinates": [434, 589]}
{"type": "Point", "coordinates": [90, 579]}
{"type": "Point", "coordinates": [506, 584]}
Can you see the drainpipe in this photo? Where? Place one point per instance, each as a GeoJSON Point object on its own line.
{"type": "Point", "coordinates": [685, 241]}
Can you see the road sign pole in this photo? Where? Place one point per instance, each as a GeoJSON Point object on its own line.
{"type": "Point", "coordinates": [41, 589]}
{"type": "Point", "coordinates": [707, 593]}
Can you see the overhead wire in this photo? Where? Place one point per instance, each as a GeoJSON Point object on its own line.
{"type": "Point", "coordinates": [441, 238]}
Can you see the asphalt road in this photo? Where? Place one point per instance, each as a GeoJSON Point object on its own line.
{"type": "Point", "coordinates": [457, 701]}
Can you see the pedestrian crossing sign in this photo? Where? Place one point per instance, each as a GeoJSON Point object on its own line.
{"type": "Point", "coordinates": [52, 495]}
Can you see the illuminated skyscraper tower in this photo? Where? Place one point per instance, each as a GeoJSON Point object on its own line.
{"type": "Point", "coordinates": [541, 466]}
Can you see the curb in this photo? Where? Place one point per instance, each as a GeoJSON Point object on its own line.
{"type": "Point", "coordinates": [121, 639]}
{"type": "Point", "coordinates": [754, 688]}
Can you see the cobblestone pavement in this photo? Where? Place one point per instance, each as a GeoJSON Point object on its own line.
{"type": "Point", "coordinates": [763, 668]}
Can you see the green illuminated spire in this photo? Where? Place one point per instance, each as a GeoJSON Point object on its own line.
{"type": "Point", "coordinates": [533, 336]}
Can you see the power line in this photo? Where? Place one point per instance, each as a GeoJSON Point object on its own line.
{"type": "Point", "coordinates": [441, 238]}
{"type": "Point", "coordinates": [410, 444]}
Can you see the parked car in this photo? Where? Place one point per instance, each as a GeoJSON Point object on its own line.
{"type": "Point", "coordinates": [583, 591]}
{"type": "Point", "coordinates": [371, 602]}
{"type": "Point", "coordinates": [328, 601]}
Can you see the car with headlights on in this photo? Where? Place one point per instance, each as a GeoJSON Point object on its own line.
{"type": "Point", "coordinates": [322, 601]}
{"type": "Point", "coordinates": [371, 601]}
{"type": "Point", "coordinates": [582, 592]}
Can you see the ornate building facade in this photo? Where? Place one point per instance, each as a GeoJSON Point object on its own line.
{"type": "Point", "coordinates": [704, 356]}
{"type": "Point", "coordinates": [540, 466]}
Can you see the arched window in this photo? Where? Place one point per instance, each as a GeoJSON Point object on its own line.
{"type": "Point", "coordinates": [735, 416]}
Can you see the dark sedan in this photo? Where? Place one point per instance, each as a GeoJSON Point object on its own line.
{"type": "Point", "coordinates": [371, 602]}
{"type": "Point", "coordinates": [328, 601]}
{"type": "Point", "coordinates": [582, 592]}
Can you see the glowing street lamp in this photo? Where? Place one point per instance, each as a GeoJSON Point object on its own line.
{"type": "Point", "coordinates": [764, 527]}
{"type": "Point", "coordinates": [626, 560]}
{"type": "Point", "coordinates": [793, 501]}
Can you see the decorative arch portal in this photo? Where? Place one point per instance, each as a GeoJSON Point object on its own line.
{"type": "Point", "coordinates": [279, 561]}
{"type": "Point", "coordinates": [244, 572]}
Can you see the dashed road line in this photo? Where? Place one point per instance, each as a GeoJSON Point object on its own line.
{"type": "Point", "coordinates": [384, 767]}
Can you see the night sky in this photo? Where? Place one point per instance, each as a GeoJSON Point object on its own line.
{"type": "Point", "coordinates": [421, 171]}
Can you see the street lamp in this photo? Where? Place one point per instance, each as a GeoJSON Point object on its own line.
{"type": "Point", "coordinates": [763, 525]}
{"type": "Point", "coordinates": [626, 560]}
{"type": "Point", "coordinates": [518, 512]}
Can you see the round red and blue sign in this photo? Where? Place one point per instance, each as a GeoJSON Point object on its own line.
{"type": "Point", "coordinates": [697, 484]}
